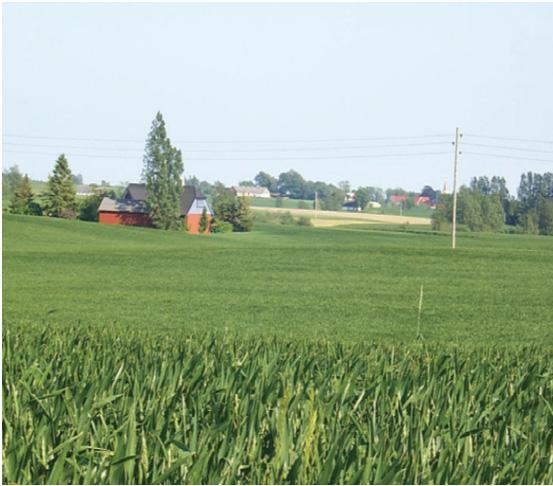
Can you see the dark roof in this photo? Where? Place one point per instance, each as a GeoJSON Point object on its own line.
{"type": "Point", "coordinates": [350, 204]}
{"type": "Point", "coordinates": [122, 206]}
{"type": "Point", "coordinates": [138, 192]}
{"type": "Point", "coordinates": [135, 191]}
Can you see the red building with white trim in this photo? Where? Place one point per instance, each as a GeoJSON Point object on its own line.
{"type": "Point", "coordinates": [132, 210]}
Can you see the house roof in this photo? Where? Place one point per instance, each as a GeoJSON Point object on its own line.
{"type": "Point", "coordinates": [137, 193]}
{"type": "Point", "coordinates": [123, 206]}
{"type": "Point", "coordinates": [251, 189]}
{"type": "Point", "coordinates": [83, 189]}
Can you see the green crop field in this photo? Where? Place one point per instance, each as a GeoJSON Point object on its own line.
{"type": "Point", "coordinates": [284, 355]}
{"type": "Point", "coordinates": [421, 211]}
{"type": "Point", "coordinates": [263, 202]}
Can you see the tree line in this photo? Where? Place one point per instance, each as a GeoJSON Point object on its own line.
{"type": "Point", "coordinates": [291, 184]}
{"type": "Point", "coordinates": [486, 205]}
{"type": "Point", "coordinates": [162, 173]}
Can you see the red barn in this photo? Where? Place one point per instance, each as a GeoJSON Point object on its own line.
{"type": "Point", "coordinates": [396, 199]}
{"type": "Point", "coordinates": [131, 209]}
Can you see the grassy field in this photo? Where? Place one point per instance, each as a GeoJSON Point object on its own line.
{"type": "Point", "coordinates": [421, 211]}
{"type": "Point", "coordinates": [264, 202]}
{"type": "Point", "coordinates": [417, 211]}
{"type": "Point", "coordinates": [347, 283]}
{"type": "Point", "coordinates": [284, 355]}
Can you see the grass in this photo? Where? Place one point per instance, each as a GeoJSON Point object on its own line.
{"type": "Point", "coordinates": [421, 211]}
{"type": "Point", "coordinates": [348, 283]}
{"type": "Point", "coordinates": [284, 355]}
{"type": "Point", "coordinates": [286, 203]}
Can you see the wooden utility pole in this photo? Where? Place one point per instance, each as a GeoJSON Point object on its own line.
{"type": "Point", "coordinates": [458, 136]}
{"type": "Point", "coordinates": [316, 204]}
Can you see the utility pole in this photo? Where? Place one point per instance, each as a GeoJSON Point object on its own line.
{"type": "Point", "coordinates": [458, 136]}
{"type": "Point", "coordinates": [316, 204]}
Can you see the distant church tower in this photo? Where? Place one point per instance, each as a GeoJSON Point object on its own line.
{"type": "Point", "coordinates": [444, 190]}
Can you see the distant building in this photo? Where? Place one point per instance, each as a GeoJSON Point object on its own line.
{"type": "Point", "coordinates": [84, 190]}
{"type": "Point", "coordinates": [396, 199]}
{"type": "Point", "coordinates": [423, 200]}
{"type": "Point", "coordinates": [132, 210]}
{"type": "Point", "coordinates": [350, 206]}
{"type": "Point", "coordinates": [251, 191]}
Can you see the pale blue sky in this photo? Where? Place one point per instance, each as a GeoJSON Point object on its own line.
{"type": "Point", "coordinates": [223, 72]}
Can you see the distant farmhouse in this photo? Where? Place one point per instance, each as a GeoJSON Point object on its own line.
{"type": "Point", "coordinates": [350, 206]}
{"type": "Point", "coordinates": [132, 210]}
{"type": "Point", "coordinates": [424, 200]}
{"type": "Point", "coordinates": [397, 199]}
{"type": "Point", "coordinates": [251, 191]}
{"type": "Point", "coordinates": [84, 190]}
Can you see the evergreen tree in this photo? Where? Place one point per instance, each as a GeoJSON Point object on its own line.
{"type": "Point", "coordinates": [162, 172]}
{"type": "Point", "coordinates": [22, 199]}
{"type": "Point", "coordinates": [60, 192]}
{"type": "Point", "coordinates": [204, 222]}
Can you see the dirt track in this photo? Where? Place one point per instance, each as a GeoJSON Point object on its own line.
{"type": "Point", "coordinates": [343, 217]}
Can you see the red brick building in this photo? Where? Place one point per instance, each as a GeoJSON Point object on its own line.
{"type": "Point", "coordinates": [131, 209]}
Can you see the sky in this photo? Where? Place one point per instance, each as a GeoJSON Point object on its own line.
{"type": "Point", "coordinates": [368, 93]}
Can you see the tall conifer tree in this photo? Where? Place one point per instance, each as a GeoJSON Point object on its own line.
{"type": "Point", "coordinates": [162, 173]}
{"type": "Point", "coordinates": [22, 199]}
{"type": "Point", "coordinates": [60, 192]}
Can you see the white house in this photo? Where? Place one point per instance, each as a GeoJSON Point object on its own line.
{"type": "Point", "coordinates": [251, 191]}
{"type": "Point", "coordinates": [84, 190]}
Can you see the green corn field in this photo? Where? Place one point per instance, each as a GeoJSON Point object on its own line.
{"type": "Point", "coordinates": [109, 405]}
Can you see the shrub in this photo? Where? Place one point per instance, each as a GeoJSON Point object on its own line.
{"type": "Point", "coordinates": [286, 218]}
{"type": "Point", "coordinates": [218, 226]}
{"type": "Point", "coordinates": [204, 222]}
{"type": "Point", "coordinates": [88, 207]}
{"type": "Point", "coordinates": [304, 221]}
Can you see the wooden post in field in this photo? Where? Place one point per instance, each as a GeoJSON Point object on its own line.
{"type": "Point", "coordinates": [458, 136]}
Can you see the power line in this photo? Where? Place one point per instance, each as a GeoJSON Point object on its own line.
{"type": "Point", "coordinates": [322, 157]}
{"type": "Point", "coordinates": [305, 140]}
{"type": "Point", "coordinates": [272, 149]}
{"type": "Point", "coordinates": [506, 156]}
{"type": "Point", "coordinates": [530, 140]}
{"type": "Point", "coordinates": [521, 149]}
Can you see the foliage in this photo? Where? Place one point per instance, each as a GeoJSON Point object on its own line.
{"type": "Point", "coordinates": [286, 218]}
{"type": "Point", "coordinates": [232, 209]}
{"type": "Point", "coordinates": [11, 179]}
{"type": "Point", "coordinates": [88, 207]}
{"type": "Point", "coordinates": [544, 209]}
{"type": "Point", "coordinates": [262, 179]}
{"type": "Point", "coordinates": [204, 221]}
{"type": "Point", "coordinates": [304, 221]}
{"type": "Point", "coordinates": [22, 201]}
{"type": "Point", "coordinates": [162, 172]}
{"type": "Point", "coordinates": [487, 206]}
{"type": "Point", "coordinates": [291, 184]}
{"type": "Point", "coordinates": [333, 199]}
{"type": "Point", "coordinates": [60, 191]}
{"type": "Point", "coordinates": [218, 226]}
{"type": "Point", "coordinates": [246, 183]}
{"type": "Point", "coordinates": [105, 404]}
{"type": "Point", "coordinates": [77, 179]}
